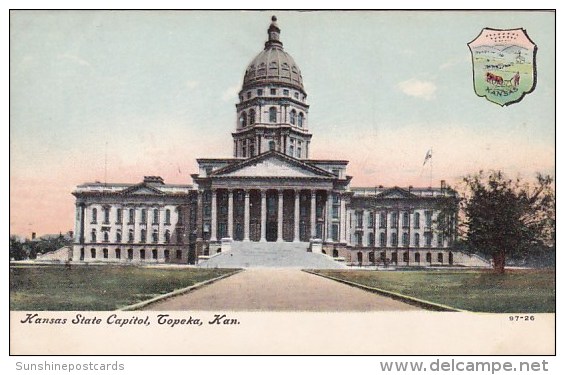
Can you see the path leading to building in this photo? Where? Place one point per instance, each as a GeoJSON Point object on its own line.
{"type": "Point", "coordinates": [281, 289]}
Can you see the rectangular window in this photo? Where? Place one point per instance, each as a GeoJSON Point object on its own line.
{"type": "Point", "coordinates": [335, 212]}
{"type": "Point", "coordinates": [168, 217]}
{"type": "Point", "coordinates": [285, 92]}
{"type": "Point", "coordinates": [382, 220]}
{"type": "Point", "coordinates": [179, 254]}
{"type": "Point", "coordinates": [155, 216]}
{"type": "Point", "coordinates": [144, 216]}
{"type": "Point", "coordinates": [131, 216]}
{"type": "Point", "coordinates": [295, 95]}
{"type": "Point", "coordinates": [273, 91]}
{"type": "Point", "coordinates": [118, 216]}
{"type": "Point", "coordinates": [359, 218]}
{"type": "Point", "coordinates": [335, 232]}
{"type": "Point", "coordinates": [259, 92]}
{"type": "Point", "coordinates": [106, 215]}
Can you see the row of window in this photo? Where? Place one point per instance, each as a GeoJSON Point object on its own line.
{"type": "Point", "coordinates": [143, 236]}
{"type": "Point", "coordinates": [131, 216]}
{"type": "Point", "coordinates": [359, 215]}
{"type": "Point", "coordinates": [273, 92]}
{"type": "Point", "coordinates": [249, 118]}
{"type": "Point", "coordinates": [118, 254]}
{"type": "Point", "coordinates": [428, 237]}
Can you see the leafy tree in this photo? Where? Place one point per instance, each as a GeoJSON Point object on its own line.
{"type": "Point", "coordinates": [505, 218]}
{"type": "Point", "coordinates": [17, 250]}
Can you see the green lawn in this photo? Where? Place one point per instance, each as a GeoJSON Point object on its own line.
{"type": "Point", "coordinates": [53, 287]}
{"type": "Point", "coordinates": [517, 291]}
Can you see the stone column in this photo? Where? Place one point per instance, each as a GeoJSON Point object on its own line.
{"type": "Point", "coordinates": [312, 213]}
{"type": "Point", "coordinates": [343, 220]}
{"type": "Point", "coordinates": [230, 213]}
{"type": "Point", "coordinates": [263, 216]}
{"type": "Point", "coordinates": [297, 215]}
{"type": "Point", "coordinates": [329, 217]}
{"type": "Point", "coordinates": [246, 223]}
{"type": "Point", "coordinates": [199, 223]}
{"type": "Point", "coordinates": [214, 221]}
{"type": "Point", "coordinates": [280, 216]}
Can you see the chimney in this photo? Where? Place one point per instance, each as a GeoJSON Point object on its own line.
{"type": "Point", "coordinates": [443, 186]}
{"type": "Point", "coordinates": [410, 188]}
{"type": "Point", "coordinates": [33, 235]}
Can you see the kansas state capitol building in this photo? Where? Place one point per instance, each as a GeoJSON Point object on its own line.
{"type": "Point", "coordinates": [272, 194]}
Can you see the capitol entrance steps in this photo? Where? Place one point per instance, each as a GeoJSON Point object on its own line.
{"type": "Point", "coordinates": [270, 254]}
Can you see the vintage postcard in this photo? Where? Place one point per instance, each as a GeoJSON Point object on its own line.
{"type": "Point", "coordinates": [253, 182]}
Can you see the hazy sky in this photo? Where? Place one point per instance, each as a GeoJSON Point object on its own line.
{"type": "Point", "coordinates": [158, 90]}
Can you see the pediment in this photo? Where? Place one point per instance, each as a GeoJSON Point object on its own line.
{"type": "Point", "coordinates": [395, 193]}
{"type": "Point", "coordinates": [272, 164]}
{"type": "Point", "coordinates": [142, 189]}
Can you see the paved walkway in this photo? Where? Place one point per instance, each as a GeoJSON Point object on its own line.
{"type": "Point", "coordinates": [259, 289]}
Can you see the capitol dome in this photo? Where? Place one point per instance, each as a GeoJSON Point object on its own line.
{"type": "Point", "coordinates": [273, 66]}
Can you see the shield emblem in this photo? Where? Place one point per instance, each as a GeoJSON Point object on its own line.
{"type": "Point", "coordinates": [504, 65]}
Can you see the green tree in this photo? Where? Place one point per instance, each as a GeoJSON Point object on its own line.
{"type": "Point", "coordinates": [17, 251]}
{"type": "Point", "coordinates": [505, 217]}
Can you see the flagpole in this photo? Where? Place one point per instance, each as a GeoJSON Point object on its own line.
{"type": "Point", "coordinates": [431, 165]}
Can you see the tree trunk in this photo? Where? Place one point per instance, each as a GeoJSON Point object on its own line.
{"type": "Point", "coordinates": [499, 260]}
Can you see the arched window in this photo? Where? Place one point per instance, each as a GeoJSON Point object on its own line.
{"type": "Point", "coordinates": [155, 236]}
{"type": "Point", "coordinates": [416, 239]}
{"type": "Point", "coordinates": [118, 254]}
{"type": "Point", "coordinates": [167, 236]}
{"type": "Point", "coordinates": [360, 257]}
{"type": "Point", "coordinates": [94, 215]}
{"type": "Point", "coordinates": [251, 117]}
{"type": "Point", "coordinates": [405, 220]}
{"type": "Point", "coordinates": [301, 119]}
{"type": "Point", "coordinates": [130, 254]}
{"type": "Point", "coordinates": [450, 257]}
{"type": "Point", "coordinates": [155, 216]}
{"type": "Point", "coordinates": [428, 236]}
{"type": "Point", "coordinates": [144, 216]}
{"type": "Point", "coordinates": [272, 114]}
{"type": "Point", "coordinates": [382, 220]}
{"type": "Point", "coordinates": [106, 215]}
{"type": "Point", "coordinates": [383, 240]}
{"type": "Point", "coordinates": [335, 253]}
{"type": "Point", "coordinates": [405, 239]}
{"type": "Point", "coordinates": [105, 253]}
{"type": "Point", "coordinates": [130, 235]}
{"type": "Point", "coordinates": [154, 254]}
{"type": "Point", "coordinates": [417, 220]}
{"type": "Point", "coordinates": [106, 235]}
{"type": "Point", "coordinates": [428, 257]}
{"type": "Point", "coordinates": [293, 117]}
{"type": "Point", "coordinates": [243, 120]}
{"type": "Point", "coordinates": [142, 254]}
{"type": "Point", "coordinates": [93, 253]}
{"type": "Point", "coordinates": [417, 257]}
{"type": "Point", "coordinates": [394, 257]}
{"type": "Point", "coordinates": [405, 257]}
{"type": "Point", "coordinates": [440, 257]}
{"type": "Point", "coordinates": [167, 217]}
{"type": "Point", "coordinates": [143, 236]}
{"type": "Point", "coordinates": [371, 257]}
{"type": "Point", "coordinates": [371, 239]}
{"type": "Point", "coordinates": [179, 215]}
{"type": "Point", "coordinates": [93, 235]}
{"type": "Point", "coordinates": [131, 216]}
{"type": "Point", "coordinates": [394, 239]}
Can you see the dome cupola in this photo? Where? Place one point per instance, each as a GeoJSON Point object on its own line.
{"type": "Point", "coordinates": [273, 65]}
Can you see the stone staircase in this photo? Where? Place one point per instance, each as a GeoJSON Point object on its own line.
{"type": "Point", "coordinates": [270, 255]}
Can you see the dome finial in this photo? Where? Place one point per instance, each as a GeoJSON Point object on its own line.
{"type": "Point", "coordinates": [274, 35]}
